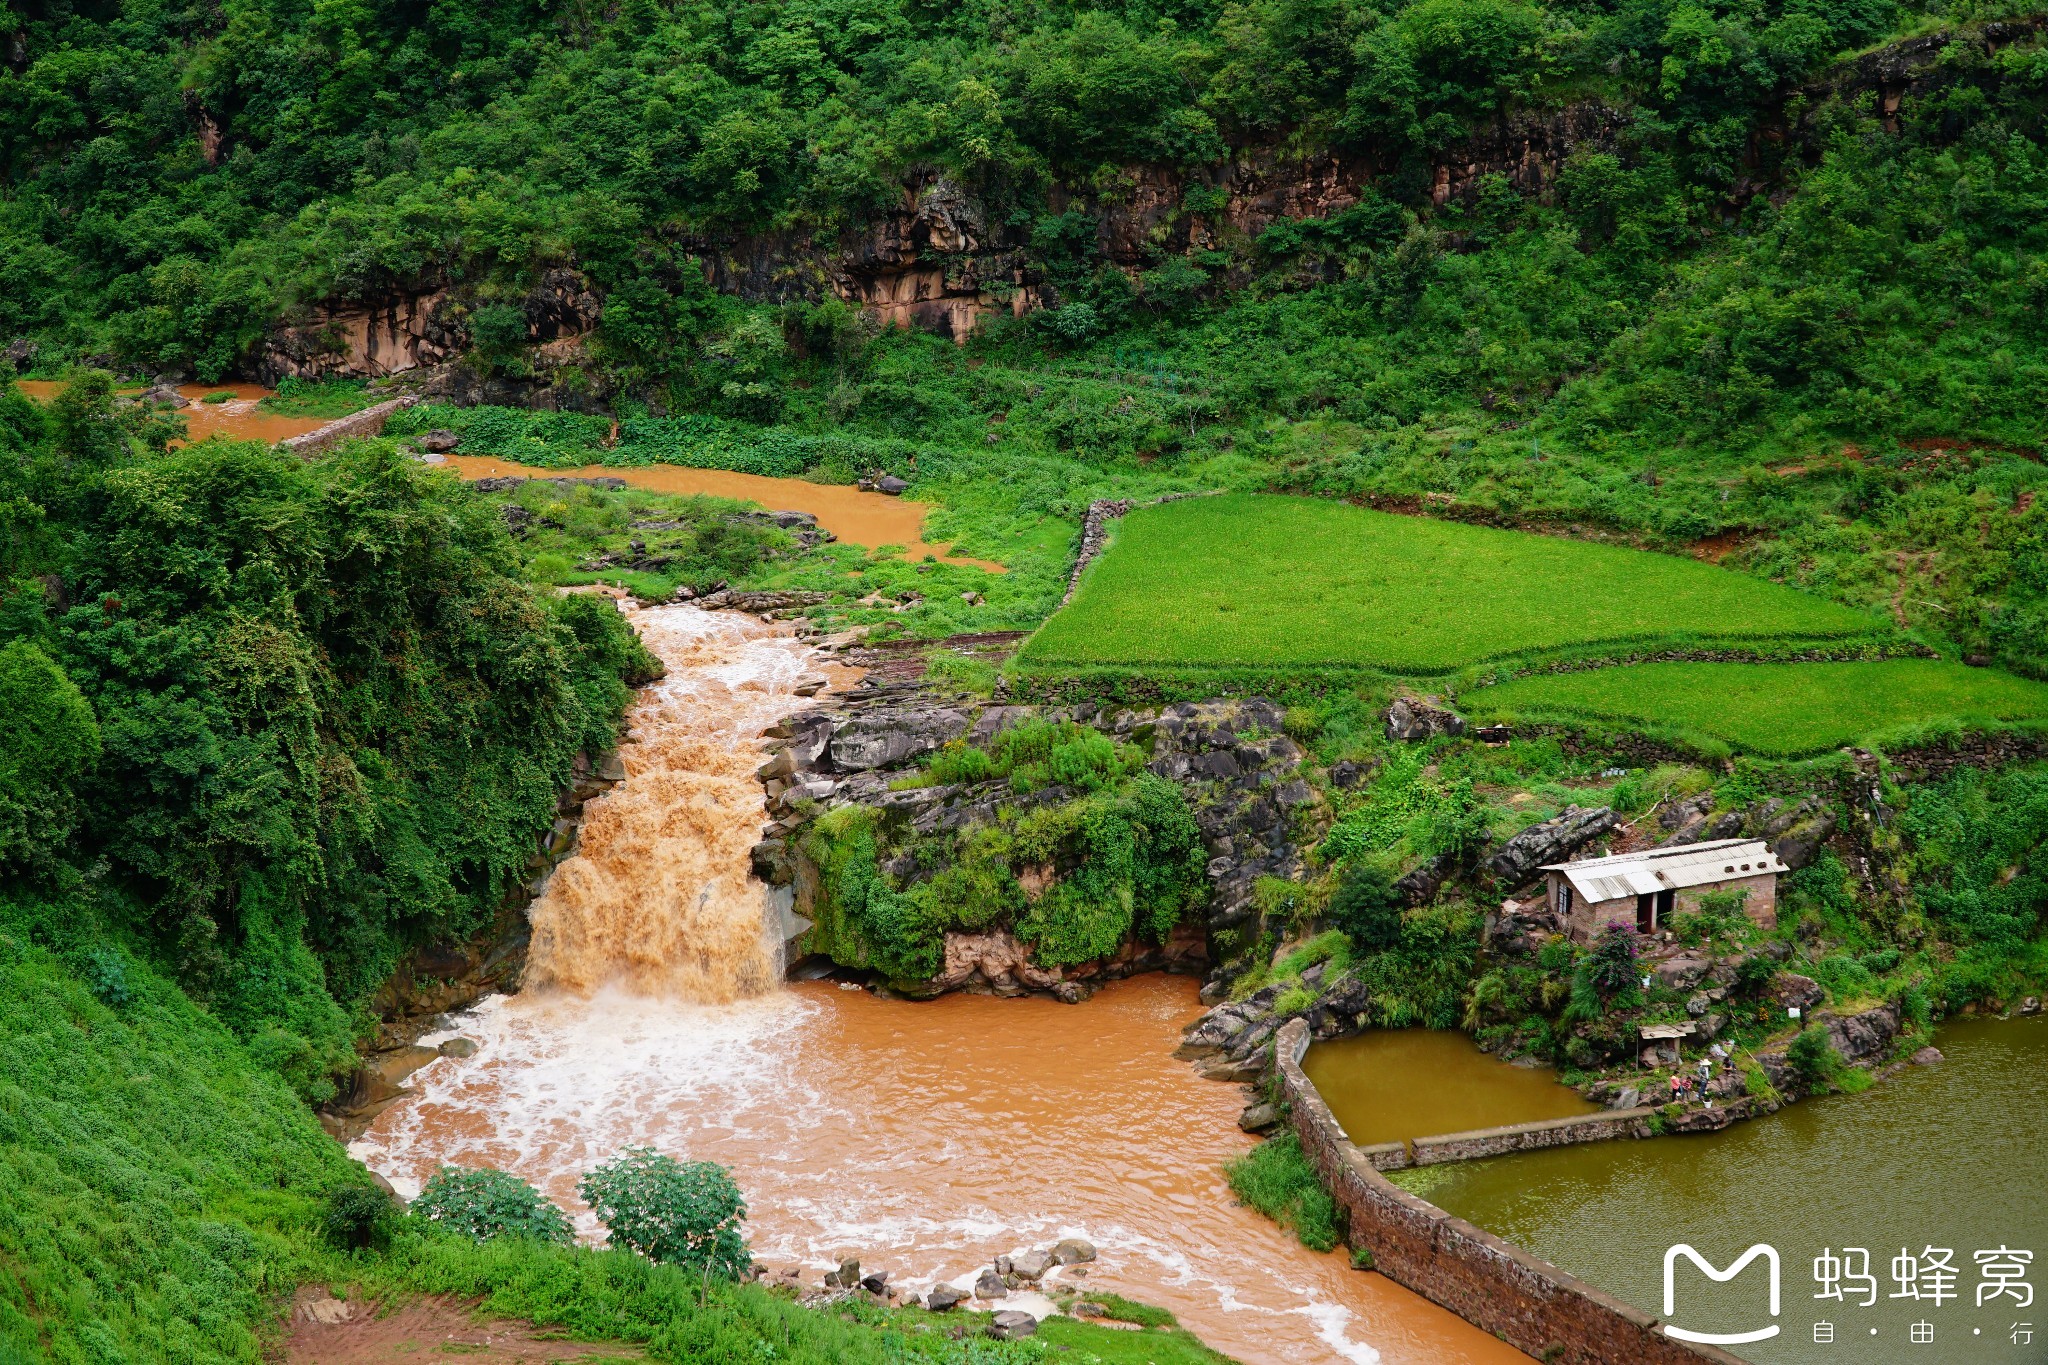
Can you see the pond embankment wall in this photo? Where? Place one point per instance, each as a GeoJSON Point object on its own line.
{"type": "Point", "coordinates": [1491, 1283]}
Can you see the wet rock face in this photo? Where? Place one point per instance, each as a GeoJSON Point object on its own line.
{"type": "Point", "coordinates": [894, 739]}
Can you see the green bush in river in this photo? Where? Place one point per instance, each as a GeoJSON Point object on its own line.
{"type": "Point", "coordinates": [1123, 860]}
{"type": "Point", "coordinates": [1276, 1178]}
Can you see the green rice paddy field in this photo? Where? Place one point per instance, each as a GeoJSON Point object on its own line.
{"type": "Point", "coordinates": [1779, 709]}
{"type": "Point", "coordinates": [1282, 581]}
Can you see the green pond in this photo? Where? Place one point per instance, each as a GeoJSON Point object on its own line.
{"type": "Point", "coordinates": [1389, 1085]}
{"type": "Point", "coordinates": [1946, 1157]}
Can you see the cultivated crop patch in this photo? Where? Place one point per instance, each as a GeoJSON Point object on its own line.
{"type": "Point", "coordinates": [1252, 579]}
{"type": "Point", "coordinates": [1780, 709]}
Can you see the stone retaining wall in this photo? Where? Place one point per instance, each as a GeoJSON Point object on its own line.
{"type": "Point", "coordinates": [1492, 1284]}
{"type": "Point", "coordinates": [369, 422]}
{"type": "Point", "coordinates": [1530, 1137]}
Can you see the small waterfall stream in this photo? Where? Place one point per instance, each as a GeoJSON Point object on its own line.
{"type": "Point", "coordinates": [928, 1137]}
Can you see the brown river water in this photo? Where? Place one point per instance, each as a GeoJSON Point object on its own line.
{"type": "Point", "coordinates": [859, 518]}
{"type": "Point", "coordinates": [870, 520]}
{"type": "Point", "coordinates": [927, 1137]}
{"type": "Point", "coordinates": [238, 417]}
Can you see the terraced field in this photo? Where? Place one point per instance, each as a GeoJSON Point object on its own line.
{"type": "Point", "coordinates": [1260, 580]}
{"type": "Point", "coordinates": [1785, 710]}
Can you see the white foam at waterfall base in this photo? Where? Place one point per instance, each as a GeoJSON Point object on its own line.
{"type": "Point", "coordinates": [560, 1083]}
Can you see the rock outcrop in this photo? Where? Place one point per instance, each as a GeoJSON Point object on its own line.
{"type": "Point", "coordinates": [1554, 841]}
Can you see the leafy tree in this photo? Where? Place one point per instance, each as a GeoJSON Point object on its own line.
{"type": "Point", "coordinates": [683, 1213]}
{"type": "Point", "coordinates": [47, 749]}
{"type": "Point", "coordinates": [1367, 908]}
{"type": "Point", "coordinates": [1813, 1059]}
{"type": "Point", "coordinates": [485, 1203]}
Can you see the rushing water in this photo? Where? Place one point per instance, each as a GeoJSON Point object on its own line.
{"type": "Point", "coordinates": [857, 517]}
{"type": "Point", "coordinates": [1389, 1085]}
{"type": "Point", "coordinates": [1947, 1156]}
{"type": "Point", "coordinates": [927, 1137]}
{"type": "Point", "coordinates": [658, 894]}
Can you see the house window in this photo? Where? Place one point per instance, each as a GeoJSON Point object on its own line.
{"type": "Point", "coordinates": [1564, 898]}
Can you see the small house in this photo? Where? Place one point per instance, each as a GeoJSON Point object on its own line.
{"type": "Point", "coordinates": [1643, 890]}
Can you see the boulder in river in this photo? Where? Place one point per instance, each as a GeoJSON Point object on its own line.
{"type": "Point", "coordinates": [991, 1286]}
{"type": "Point", "coordinates": [1032, 1265]}
{"type": "Point", "coordinates": [1257, 1118]}
{"type": "Point", "coordinates": [1009, 1325]}
{"type": "Point", "coordinates": [1073, 1251]}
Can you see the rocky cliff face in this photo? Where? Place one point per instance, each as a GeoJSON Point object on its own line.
{"type": "Point", "coordinates": [1240, 773]}
{"type": "Point", "coordinates": [940, 260]}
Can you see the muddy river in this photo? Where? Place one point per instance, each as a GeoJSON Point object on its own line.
{"type": "Point", "coordinates": [859, 518]}
{"type": "Point", "coordinates": [238, 416]}
{"type": "Point", "coordinates": [926, 1137]}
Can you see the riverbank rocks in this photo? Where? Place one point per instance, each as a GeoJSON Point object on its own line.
{"type": "Point", "coordinates": [989, 1285]}
{"type": "Point", "coordinates": [1794, 991]}
{"type": "Point", "coordinates": [1031, 1265]}
{"type": "Point", "coordinates": [1240, 772]}
{"type": "Point", "coordinates": [894, 738]}
{"type": "Point", "coordinates": [1010, 1325]}
{"type": "Point", "coordinates": [944, 1297]}
{"type": "Point", "coordinates": [1073, 1251]}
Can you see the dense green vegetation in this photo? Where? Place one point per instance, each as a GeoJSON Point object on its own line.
{"type": "Point", "coordinates": [1839, 376]}
{"type": "Point", "coordinates": [1781, 709]}
{"type": "Point", "coordinates": [163, 1187]}
{"type": "Point", "coordinates": [1128, 860]}
{"type": "Point", "coordinates": [1255, 580]}
{"type": "Point", "coordinates": [287, 719]}
{"type": "Point", "coordinates": [1276, 1178]}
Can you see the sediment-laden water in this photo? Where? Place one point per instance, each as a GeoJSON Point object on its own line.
{"type": "Point", "coordinates": [658, 896]}
{"type": "Point", "coordinates": [1388, 1085]}
{"type": "Point", "coordinates": [927, 1137]}
{"type": "Point", "coordinates": [1946, 1157]}
{"type": "Point", "coordinates": [238, 417]}
{"type": "Point", "coordinates": [855, 516]}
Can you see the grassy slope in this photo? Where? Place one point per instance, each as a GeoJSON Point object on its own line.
{"type": "Point", "coordinates": [1779, 709]}
{"type": "Point", "coordinates": [159, 1187]}
{"type": "Point", "coordinates": [1243, 580]}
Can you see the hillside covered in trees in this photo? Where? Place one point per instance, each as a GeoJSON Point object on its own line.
{"type": "Point", "coordinates": [1767, 276]}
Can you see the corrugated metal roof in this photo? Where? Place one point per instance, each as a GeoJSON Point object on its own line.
{"type": "Point", "coordinates": [1667, 869]}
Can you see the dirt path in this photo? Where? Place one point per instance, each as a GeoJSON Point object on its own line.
{"type": "Point", "coordinates": [330, 1331]}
